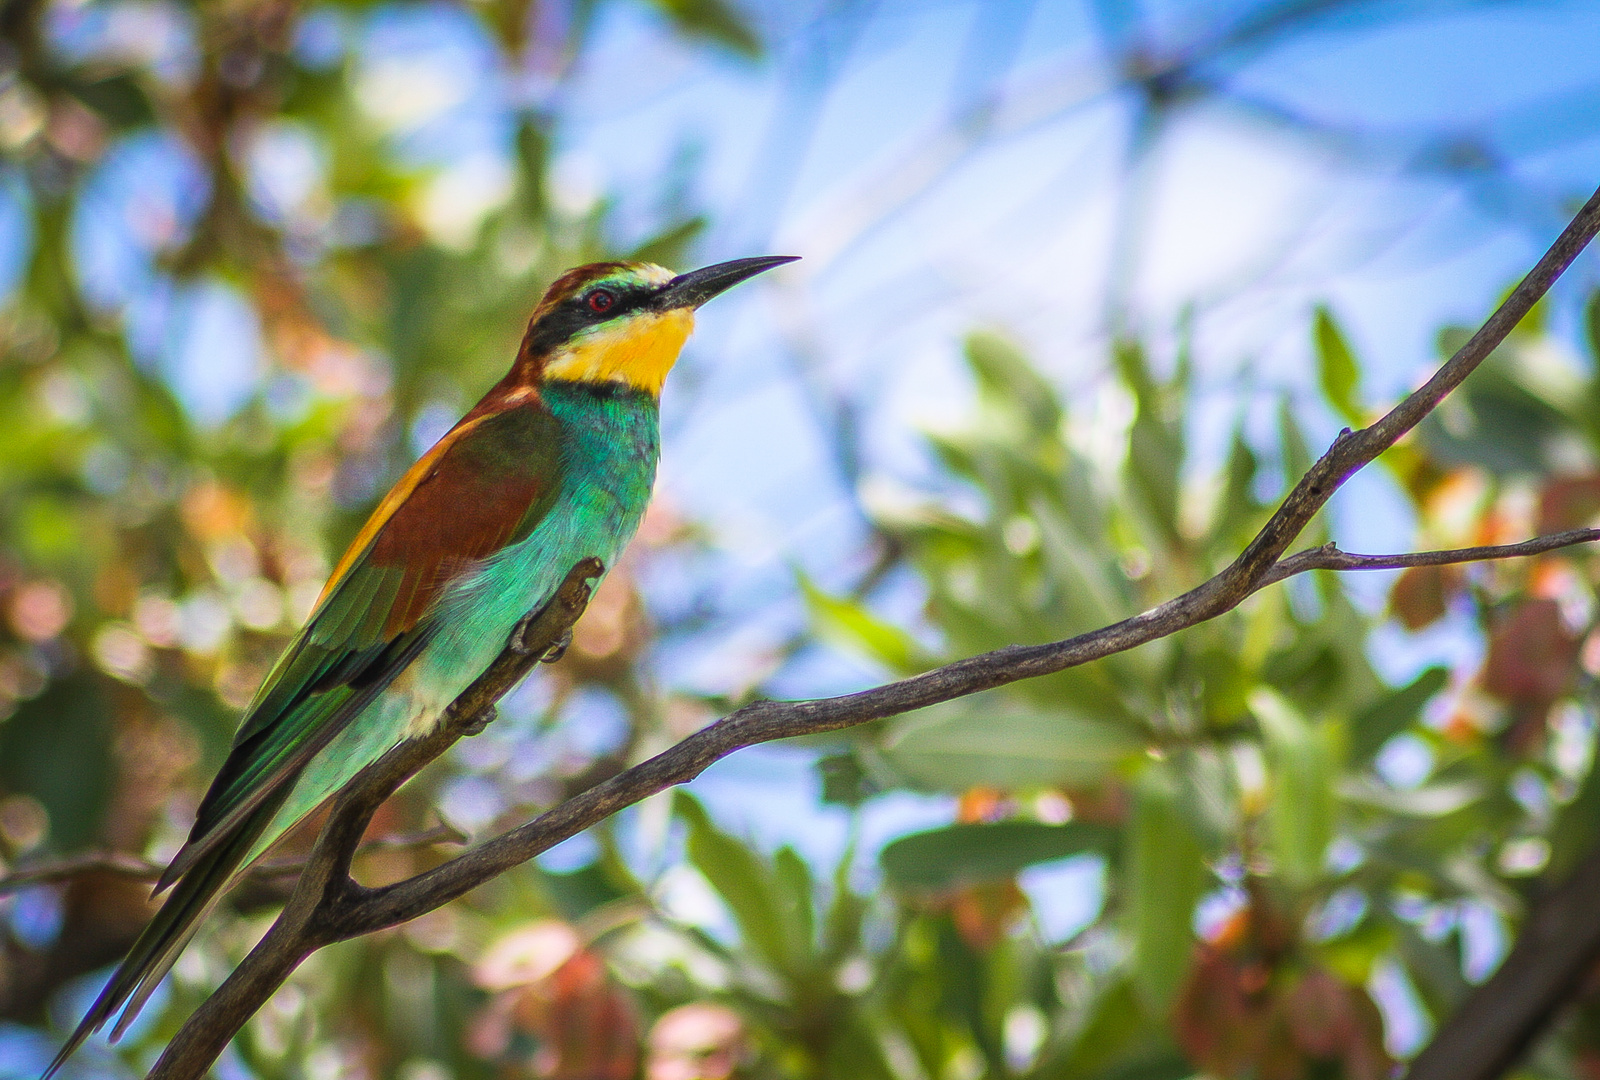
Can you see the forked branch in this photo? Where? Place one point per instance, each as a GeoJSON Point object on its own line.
{"type": "Point", "coordinates": [328, 906]}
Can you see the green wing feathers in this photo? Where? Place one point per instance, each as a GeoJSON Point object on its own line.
{"type": "Point", "coordinates": [485, 485]}
{"type": "Point", "coordinates": [158, 947]}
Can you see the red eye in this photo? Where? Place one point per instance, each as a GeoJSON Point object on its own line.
{"type": "Point", "coordinates": [601, 300]}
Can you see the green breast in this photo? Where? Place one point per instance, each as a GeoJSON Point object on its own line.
{"type": "Point", "coordinates": [610, 445]}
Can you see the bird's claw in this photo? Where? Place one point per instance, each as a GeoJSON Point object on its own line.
{"type": "Point", "coordinates": [518, 642]}
{"type": "Point", "coordinates": [482, 720]}
{"type": "Point", "coordinates": [558, 650]}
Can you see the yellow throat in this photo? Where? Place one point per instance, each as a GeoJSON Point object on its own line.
{"type": "Point", "coordinates": [638, 353]}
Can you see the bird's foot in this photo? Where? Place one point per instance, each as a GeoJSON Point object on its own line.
{"type": "Point", "coordinates": [558, 650]}
{"type": "Point", "coordinates": [482, 720]}
{"type": "Point", "coordinates": [518, 642]}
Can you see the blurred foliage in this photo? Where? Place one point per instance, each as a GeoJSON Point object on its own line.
{"type": "Point", "coordinates": [1285, 837]}
{"type": "Point", "coordinates": [1284, 841]}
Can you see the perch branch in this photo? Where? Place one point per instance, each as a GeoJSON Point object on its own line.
{"type": "Point", "coordinates": [325, 888]}
{"type": "Point", "coordinates": [327, 906]}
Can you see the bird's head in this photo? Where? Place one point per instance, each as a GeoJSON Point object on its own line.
{"type": "Point", "coordinates": [624, 323]}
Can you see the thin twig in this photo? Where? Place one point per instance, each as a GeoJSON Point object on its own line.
{"type": "Point", "coordinates": [1329, 557]}
{"type": "Point", "coordinates": [123, 864]}
{"type": "Point", "coordinates": [328, 906]}
{"type": "Point", "coordinates": [439, 834]}
{"type": "Point", "coordinates": [115, 863]}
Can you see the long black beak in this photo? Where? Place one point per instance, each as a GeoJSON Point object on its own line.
{"type": "Point", "coordinates": [697, 286]}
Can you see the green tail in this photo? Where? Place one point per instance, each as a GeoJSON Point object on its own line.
{"type": "Point", "coordinates": [158, 947]}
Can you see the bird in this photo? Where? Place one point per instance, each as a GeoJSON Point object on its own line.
{"type": "Point", "coordinates": [554, 465]}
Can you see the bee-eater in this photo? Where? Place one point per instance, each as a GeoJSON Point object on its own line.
{"type": "Point", "coordinates": [554, 465]}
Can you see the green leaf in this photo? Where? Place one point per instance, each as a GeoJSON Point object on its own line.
{"type": "Point", "coordinates": [970, 853]}
{"type": "Point", "coordinates": [1589, 406]}
{"type": "Point", "coordinates": [1337, 369]}
{"type": "Point", "coordinates": [1236, 504]}
{"type": "Point", "coordinates": [841, 925]}
{"type": "Point", "coordinates": [791, 879]}
{"type": "Point", "coordinates": [1392, 713]}
{"type": "Point", "coordinates": [1115, 1029]}
{"type": "Point", "coordinates": [1155, 442]}
{"type": "Point", "coordinates": [119, 99]}
{"type": "Point", "coordinates": [849, 626]}
{"type": "Point", "coordinates": [1496, 421]}
{"type": "Point", "coordinates": [989, 739]}
{"type": "Point", "coordinates": [715, 21]}
{"type": "Point", "coordinates": [1292, 446]}
{"type": "Point", "coordinates": [532, 157]}
{"type": "Point", "coordinates": [854, 1050]}
{"type": "Point", "coordinates": [1572, 835]}
{"type": "Point", "coordinates": [1084, 574]}
{"type": "Point", "coordinates": [1165, 877]}
{"type": "Point", "coordinates": [1427, 801]}
{"type": "Point", "coordinates": [1591, 327]}
{"type": "Point", "coordinates": [667, 247]}
{"type": "Point", "coordinates": [1005, 377]}
{"type": "Point", "coordinates": [844, 781]}
{"type": "Point", "coordinates": [580, 891]}
{"type": "Point", "coordinates": [57, 748]}
{"type": "Point", "coordinates": [741, 878]}
{"type": "Point", "coordinates": [1434, 968]}
{"type": "Point", "coordinates": [1302, 810]}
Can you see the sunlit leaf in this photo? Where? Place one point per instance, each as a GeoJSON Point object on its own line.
{"type": "Point", "coordinates": [1336, 368]}
{"type": "Point", "coordinates": [1301, 813]}
{"type": "Point", "coordinates": [1390, 714]}
{"type": "Point", "coordinates": [1165, 877]}
{"type": "Point", "coordinates": [988, 739]}
{"type": "Point", "coordinates": [1155, 443]}
{"type": "Point", "coordinates": [743, 880]}
{"type": "Point", "coordinates": [1425, 801]}
{"type": "Point", "coordinates": [974, 852]}
{"type": "Point", "coordinates": [715, 20]}
{"type": "Point", "coordinates": [849, 626]}
{"type": "Point", "coordinates": [1005, 375]}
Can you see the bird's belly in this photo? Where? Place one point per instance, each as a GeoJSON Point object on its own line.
{"type": "Point", "coordinates": [476, 617]}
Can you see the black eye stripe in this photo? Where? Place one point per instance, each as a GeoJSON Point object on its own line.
{"type": "Point", "coordinates": [624, 299]}
{"type": "Point", "coordinates": [573, 315]}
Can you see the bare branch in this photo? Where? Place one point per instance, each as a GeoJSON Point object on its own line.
{"type": "Point", "coordinates": [439, 834]}
{"type": "Point", "coordinates": [765, 721]}
{"type": "Point", "coordinates": [1329, 557]}
{"type": "Point", "coordinates": [325, 888]}
{"type": "Point", "coordinates": [328, 906]}
{"type": "Point", "coordinates": [116, 863]}
{"type": "Point", "coordinates": [123, 864]}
